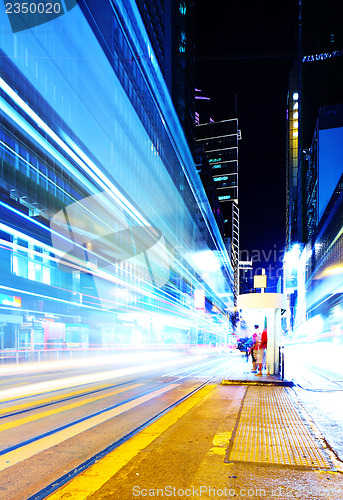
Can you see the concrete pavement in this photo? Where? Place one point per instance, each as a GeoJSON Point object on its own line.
{"type": "Point", "coordinates": [226, 441]}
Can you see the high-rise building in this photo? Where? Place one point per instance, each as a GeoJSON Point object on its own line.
{"type": "Point", "coordinates": [179, 62]}
{"type": "Point", "coordinates": [220, 142]}
{"type": "Point", "coordinates": [170, 26]}
{"type": "Point", "coordinates": [320, 80]}
{"type": "Point", "coordinates": [205, 172]}
{"type": "Point", "coordinates": [292, 140]}
{"type": "Point", "coordinates": [324, 266]}
{"type": "Point", "coordinates": [314, 262]}
{"type": "Point", "coordinates": [153, 15]}
{"type": "Point", "coordinates": [101, 203]}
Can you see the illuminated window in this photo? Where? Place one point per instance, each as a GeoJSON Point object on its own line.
{"type": "Point", "coordinates": [296, 115]}
{"type": "Point", "coordinates": [295, 134]}
{"type": "Point", "coordinates": [227, 197]}
{"type": "Point", "coordinates": [182, 8]}
{"type": "Point", "coordinates": [295, 96]}
{"type": "Point", "coordinates": [223, 178]}
{"type": "Point", "coordinates": [296, 105]}
{"type": "Point", "coordinates": [38, 272]}
{"type": "Point", "coordinates": [182, 44]}
{"type": "Point", "coordinates": [31, 270]}
{"type": "Point", "coordinates": [15, 266]}
{"type": "Point", "coordinates": [46, 268]}
{"type": "Point", "coordinates": [296, 124]}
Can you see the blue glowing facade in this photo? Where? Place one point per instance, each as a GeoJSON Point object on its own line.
{"type": "Point", "coordinates": [324, 250]}
{"type": "Point", "coordinates": [106, 232]}
{"type": "Point", "coordinates": [314, 261]}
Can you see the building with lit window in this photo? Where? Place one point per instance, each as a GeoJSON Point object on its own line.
{"type": "Point", "coordinates": [220, 142]}
{"type": "Point", "coordinates": [324, 266]}
{"type": "Point", "coordinates": [100, 200]}
{"type": "Point", "coordinates": [170, 26]}
{"type": "Point", "coordinates": [314, 260]}
{"type": "Point", "coordinates": [320, 83]}
{"type": "Point", "coordinates": [292, 139]}
{"type": "Point", "coordinates": [179, 62]}
{"type": "Point", "coordinates": [205, 172]}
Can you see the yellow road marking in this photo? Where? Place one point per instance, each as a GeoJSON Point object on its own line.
{"type": "Point", "coordinates": [71, 406]}
{"type": "Point", "coordinates": [11, 409]}
{"type": "Point", "coordinates": [220, 443]}
{"type": "Point", "coordinates": [12, 385]}
{"type": "Point", "coordinates": [31, 449]}
{"type": "Point", "coordinates": [38, 393]}
{"type": "Point", "coordinates": [92, 479]}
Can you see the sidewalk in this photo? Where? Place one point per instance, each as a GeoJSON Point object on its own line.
{"type": "Point", "coordinates": [226, 441]}
{"type": "Point", "coordinates": [240, 372]}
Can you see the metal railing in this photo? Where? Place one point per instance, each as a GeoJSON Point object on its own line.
{"type": "Point", "coordinates": [282, 362]}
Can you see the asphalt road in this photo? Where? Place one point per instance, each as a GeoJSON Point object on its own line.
{"type": "Point", "coordinates": [54, 417]}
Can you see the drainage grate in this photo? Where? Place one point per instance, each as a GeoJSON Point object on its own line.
{"type": "Point", "coordinates": [270, 431]}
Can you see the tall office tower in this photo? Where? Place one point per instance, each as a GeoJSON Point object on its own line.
{"type": "Point", "coordinates": [101, 203]}
{"type": "Point", "coordinates": [220, 142]}
{"type": "Point", "coordinates": [179, 62]}
{"type": "Point", "coordinates": [314, 260]}
{"type": "Point", "coordinates": [292, 138]}
{"type": "Point", "coordinates": [205, 172]}
{"type": "Point", "coordinates": [153, 16]}
{"type": "Point", "coordinates": [315, 268]}
{"type": "Point", "coordinates": [170, 26]}
{"type": "Point", "coordinates": [320, 81]}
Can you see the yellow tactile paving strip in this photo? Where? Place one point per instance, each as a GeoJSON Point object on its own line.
{"type": "Point", "coordinates": [270, 431]}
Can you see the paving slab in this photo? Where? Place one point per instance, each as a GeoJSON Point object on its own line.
{"type": "Point", "coordinates": [235, 441]}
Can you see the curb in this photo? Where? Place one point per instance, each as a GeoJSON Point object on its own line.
{"type": "Point", "coordinates": [284, 383]}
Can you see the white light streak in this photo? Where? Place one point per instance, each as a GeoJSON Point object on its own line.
{"type": "Point", "coordinates": [89, 378]}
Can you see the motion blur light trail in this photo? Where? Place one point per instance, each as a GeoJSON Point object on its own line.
{"type": "Point", "coordinates": [57, 384]}
{"type": "Point", "coordinates": [46, 437]}
{"type": "Point", "coordinates": [121, 356]}
{"type": "Point", "coordinates": [59, 435]}
{"type": "Point", "coordinates": [103, 212]}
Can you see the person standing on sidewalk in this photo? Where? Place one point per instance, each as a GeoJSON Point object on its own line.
{"type": "Point", "coordinates": [261, 351]}
{"type": "Point", "coordinates": [252, 351]}
{"type": "Point", "coordinates": [255, 347]}
{"type": "Point", "coordinates": [264, 341]}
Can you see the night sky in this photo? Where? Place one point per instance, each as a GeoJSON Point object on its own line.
{"type": "Point", "coordinates": [246, 49]}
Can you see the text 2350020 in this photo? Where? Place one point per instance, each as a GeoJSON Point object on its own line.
{"type": "Point", "coordinates": [33, 8]}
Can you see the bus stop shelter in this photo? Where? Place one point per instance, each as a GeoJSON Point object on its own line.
{"type": "Point", "coordinates": [271, 305]}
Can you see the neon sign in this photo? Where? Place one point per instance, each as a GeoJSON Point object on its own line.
{"type": "Point", "coordinates": [323, 56]}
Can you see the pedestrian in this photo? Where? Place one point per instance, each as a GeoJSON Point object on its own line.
{"type": "Point", "coordinates": [252, 352]}
{"type": "Point", "coordinates": [264, 342]}
{"type": "Point", "coordinates": [254, 348]}
{"type": "Point", "coordinates": [261, 345]}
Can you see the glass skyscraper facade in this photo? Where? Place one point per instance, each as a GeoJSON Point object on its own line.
{"type": "Point", "coordinates": [106, 232]}
{"type": "Point", "coordinates": [314, 261]}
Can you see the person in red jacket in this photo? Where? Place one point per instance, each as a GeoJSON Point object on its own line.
{"type": "Point", "coordinates": [261, 351]}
